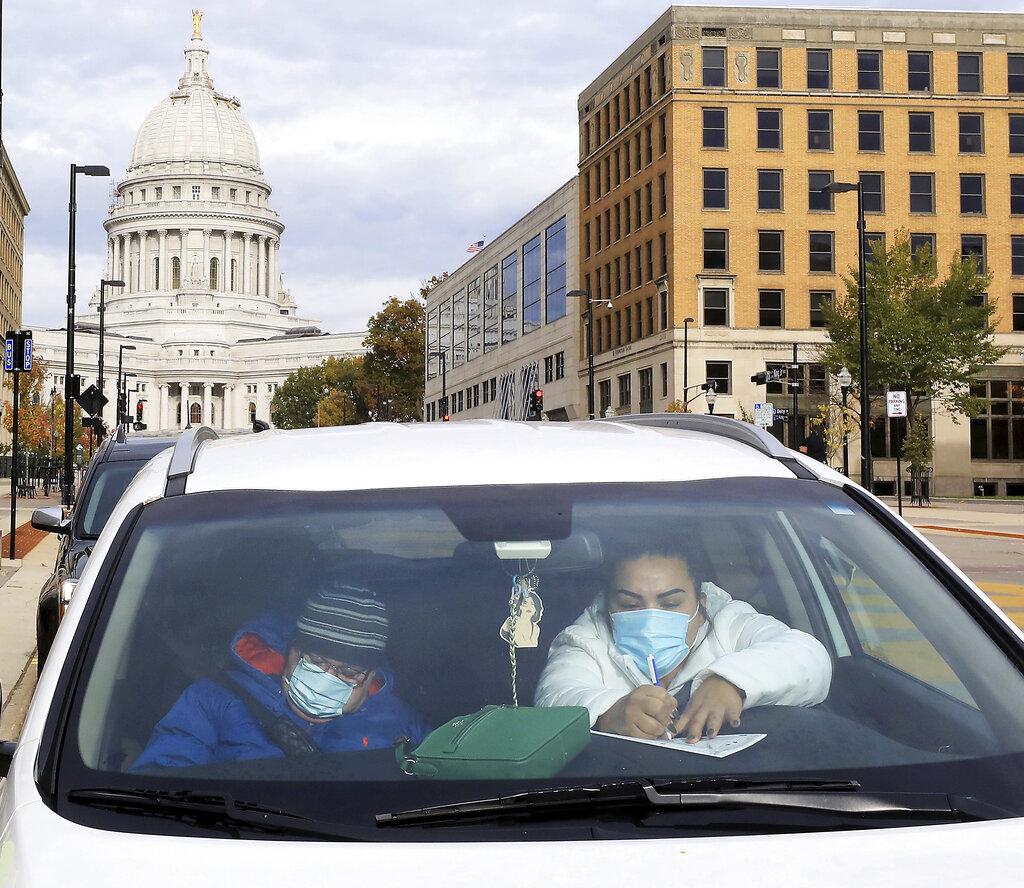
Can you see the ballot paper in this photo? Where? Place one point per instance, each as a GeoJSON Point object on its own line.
{"type": "Point", "coordinates": [716, 747]}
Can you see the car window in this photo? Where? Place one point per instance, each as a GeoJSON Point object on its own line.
{"type": "Point", "coordinates": [236, 627]}
{"type": "Point", "coordinates": [109, 481]}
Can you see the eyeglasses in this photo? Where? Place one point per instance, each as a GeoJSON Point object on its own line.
{"type": "Point", "coordinates": [351, 674]}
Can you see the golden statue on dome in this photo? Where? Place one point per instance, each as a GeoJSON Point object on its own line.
{"type": "Point", "coordinates": [197, 23]}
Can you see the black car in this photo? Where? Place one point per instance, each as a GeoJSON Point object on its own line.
{"type": "Point", "coordinates": [111, 470]}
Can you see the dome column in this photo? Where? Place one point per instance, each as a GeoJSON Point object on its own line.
{"type": "Point", "coordinates": [227, 419]}
{"type": "Point", "coordinates": [246, 262]}
{"type": "Point", "coordinates": [225, 266]}
{"type": "Point", "coordinates": [206, 257]}
{"type": "Point", "coordinates": [129, 267]}
{"type": "Point", "coordinates": [163, 404]}
{"type": "Point", "coordinates": [275, 246]}
{"type": "Point", "coordinates": [208, 403]}
{"type": "Point", "coordinates": [160, 283]}
{"type": "Point", "coordinates": [143, 260]}
{"type": "Point", "coordinates": [182, 258]}
{"type": "Point", "coordinates": [115, 262]}
{"type": "Point", "coordinates": [184, 404]}
{"type": "Point", "coordinates": [261, 266]}
{"type": "Point", "coordinates": [110, 258]}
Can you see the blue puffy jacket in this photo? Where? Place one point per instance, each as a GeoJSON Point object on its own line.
{"type": "Point", "coordinates": [211, 723]}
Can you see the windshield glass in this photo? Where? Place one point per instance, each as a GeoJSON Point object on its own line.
{"type": "Point", "coordinates": [110, 480]}
{"type": "Point", "coordinates": [266, 644]}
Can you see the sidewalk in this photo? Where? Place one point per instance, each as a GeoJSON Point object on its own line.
{"type": "Point", "coordinates": [999, 519]}
{"type": "Point", "coordinates": [18, 597]}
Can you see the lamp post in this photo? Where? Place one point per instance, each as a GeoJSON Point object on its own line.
{"type": "Point", "coordinates": [69, 358]}
{"type": "Point", "coordinates": [444, 380]}
{"type": "Point", "coordinates": [585, 294]}
{"type": "Point", "coordinates": [711, 396]}
{"type": "Point", "coordinates": [121, 407]}
{"type": "Point", "coordinates": [862, 289]}
{"type": "Point", "coordinates": [844, 379]}
{"type": "Point", "coordinates": [686, 354]}
{"type": "Point", "coordinates": [103, 286]}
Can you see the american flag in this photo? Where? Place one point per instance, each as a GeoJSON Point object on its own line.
{"type": "Point", "coordinates": [475, 247]}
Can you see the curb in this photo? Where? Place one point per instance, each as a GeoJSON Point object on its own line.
{"type": "Point", "coordinates": [970, 530]}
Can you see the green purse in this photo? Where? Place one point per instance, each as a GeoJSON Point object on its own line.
{"type": "Point", "coordinates": [501, 743]}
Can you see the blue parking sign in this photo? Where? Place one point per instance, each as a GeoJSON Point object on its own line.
{"type": "Point", "coordinates": [8, 354]}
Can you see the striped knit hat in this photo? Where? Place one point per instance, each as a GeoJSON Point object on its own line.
{"type": "Point", "coordinates": [344, 623]}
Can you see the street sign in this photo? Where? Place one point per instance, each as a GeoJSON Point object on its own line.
{"type": "Point", "coordinates": [9, 352]}
{"type": "Point", "coordinates": [92, 400]}
{"type": "Point", "coordinates": [896, 404]}
{"type": "Point", "coordinates": [782, 415]}
{"type": "Point", "coordinates": [764, 415]}
{"type": "Point", "coordinates": [27, 365]}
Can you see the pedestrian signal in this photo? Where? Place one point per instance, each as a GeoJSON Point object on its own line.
{"type": "Point", "coordinates": [536, 407]}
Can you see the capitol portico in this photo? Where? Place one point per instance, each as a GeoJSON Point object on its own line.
{"type": "Point", "coordinates": [209, 329]}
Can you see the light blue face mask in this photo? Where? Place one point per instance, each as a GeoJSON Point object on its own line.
{"type": "Point", "coordinates": [653, 632]}
{"type": "Point", "coordinates": [316, 692]}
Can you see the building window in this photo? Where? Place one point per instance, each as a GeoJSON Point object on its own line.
{"type": "Point", "coordinates": [649, 200]}
{"type": "Point", "coordinates": [625, 390]}
{"type": "Point", "coordinates": [175, 273]}
{"type": "Point", "coordinates": [769, 128]}
{"type": "Point", "coordinates": [872, 187]}
{"type": "Point", "coordinates": [972, 194]}
{"type": "Point", "coordinates": [769, 69]}
{"type": "Point", "coordinates": [869, 130]}
{"type": "Point", "coordinates": [604, 388]}
{"type": "Point", "coordinates": [1017, 134]}
{"type": "Point", "coordinates": [234, 273]}
{"type": "Point", "coordinates": [560, 365]}
{"type": "Point", "coordinates": [922, 193]}
{"type": "Point", "coordinates": [1018, 315]}
{"type": "Point", "coordinates": [769, 251]}
{"type": "Point", "coordinates": [716, 307]}
{"type": "Point", "coordinates": [870, 239]}
{"type": "Point", "coordinates": [714, 120]}
{"type": "Point", "coordinates": [720, 374]}
{"type": "Point", "coordinates": [662, 139]}
{"type": "Point", "coordinates": [215, 192]}
{"type": "Point", "coordinates": [819, 130]}
{"type": "Point", "coordinates": [921, 139]}
{"type": "Point", "coordinates": [819, 69]}
{"type": "Point", "coordinates": [663, 253]}
{"type": "Point", "coordinates": [662, 194]}
{"type": "Point", "coordinates": [919, 71]}
{"type": "Point", "coordinates": [195, 413]}
{"type": "Point", "coordinates": [869, 70]}
{"type": "Point", "coordinates": [156, 273]}
{"type": "Point", "coordinates": [214, 273]}
{"type": "Point", "coordinates": [716, 190]}
{"type": "Point", "coordinates": [817, 197]}
{"type": "Point", "coordinates": [821, 249]}
{"type": "Point", "coordinates": [819, 298]}
{"type": "Point", "coordinates": [713, 60]}
{"type": "Point", "coordinates": [922, 242]}
{"type": "Point", "coordinates": [158, 193]}
{"type": "Point", "coordinates": [769, 189]}
{"type": "Point", "coordinates": [973, 245]}
{"type": "Point", "coordinates": [998, 431]}
{"type": "Point", "coordinates": [1017, 255]}
{"type": "Point", "coordinates": [646, 378]}
{"type": "Point", "coordinates": [1015, 73]}
{"type": "Point", "coordinates": [196, 191]}
{"type": "Point", "coordinates": [176, 192]}
{"type": "Point", "coordinates": [1017, 195]}
{"type": "Point", "coordinates": [509, 299]}
{"type": "Point", "coordinates": [664, 380]}
{"type": "Point", "coordinates": [549, 369]}
{"type": "Point", "coordinates": [972, 138]}
{"type": "Point", "coordinates": [663, 310]}
{"type": "Point", "coordinates": [716, 251]}
{"type": "Point", "coordinates": [770, 311]}
{"type": "Point", "coordinates": [649, 320]}
{"type": "Point", "coordinates": [233, 194]}
{"type": "Point", "coordinates": [554, 276]}
{"type": "Point", "coordinates": [968, 72]}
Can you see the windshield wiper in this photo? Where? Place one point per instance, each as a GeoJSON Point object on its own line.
{"type": "Point", "coordinates": [210, 810]}
{"type": "Point", "coordinates": [842, 797]}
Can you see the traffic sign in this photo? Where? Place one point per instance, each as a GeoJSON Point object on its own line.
{"type": "Point", "coordinates": [92, 400]}
{"type": "Point", "coordinates": [18, 351]}
{"type": "Point", "coordinates": [782, 414]}
{"type": "Point", "coordinates": [27, 355]}
{"type": "Point", "coordinates": [896, 404]}
{"type": "Point", "coordinates": [9, 352]}
{"type": "Point", "coordinates": [764, 415]}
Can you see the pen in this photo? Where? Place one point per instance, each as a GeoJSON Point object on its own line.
{"type": "Point", "coordinates": [652, 669]}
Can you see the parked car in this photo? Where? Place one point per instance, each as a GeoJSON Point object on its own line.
{"type": "Point", "coordinates": [196, 722]}
{"type": "Point", "coordinates": [108, 475]}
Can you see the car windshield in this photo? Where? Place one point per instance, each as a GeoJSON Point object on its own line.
{"type": "Point", "coordinates": [110, 480]}
{"type": "Point", "coordinates": [299, 649]}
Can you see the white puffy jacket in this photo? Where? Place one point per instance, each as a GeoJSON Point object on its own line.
{"type": "Point", "coordinates": [767, 660]}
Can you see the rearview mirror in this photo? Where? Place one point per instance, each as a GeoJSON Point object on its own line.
{"type": "Point", "coordinates": [52, 520]}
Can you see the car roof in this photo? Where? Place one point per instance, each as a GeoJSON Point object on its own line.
{"type": "Point", "coordinates": [471, 453]}
{"type": "Point", "coordinates": [135, 447]}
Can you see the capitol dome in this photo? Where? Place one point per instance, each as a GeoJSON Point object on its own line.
{"type": "Point", "coordinates": [196, 123]}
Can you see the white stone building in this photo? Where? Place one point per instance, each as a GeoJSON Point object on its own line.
{"type": "Point", "coordinates": [192, 235]}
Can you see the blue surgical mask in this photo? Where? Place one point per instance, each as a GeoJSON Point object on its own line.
{"type": "Point", "coordinates": [652, 632]}
{"type": "Point", "coordinates": [316, 692]}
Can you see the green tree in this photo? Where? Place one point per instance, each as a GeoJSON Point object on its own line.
{"type": "Point", "coordinates": [294, 404]}
{"type": "Point", "coordinates": [394, 360]}
{"type": "Point", "coordinates": [928, 336]}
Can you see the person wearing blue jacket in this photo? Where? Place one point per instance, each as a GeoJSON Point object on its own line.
{"type": "Point", "coordinates": [320, 683]}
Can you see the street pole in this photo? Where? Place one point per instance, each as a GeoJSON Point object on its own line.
{"type": "Point", "coordinates": [69, 358]}
{"type": "Point", "coordinates": [865, 403]}
{"type": "Point", "coordinates": [846, 437]}
{"type": "Point", "coordinates": [686, 355]}
{"type": "Point", "coordinates": [794, 387]}
{"type": "Point", "coordinates": [14, 467]}
{"type": "Point", "coordinates": [590, 359]}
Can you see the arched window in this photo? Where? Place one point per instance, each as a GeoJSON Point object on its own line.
{"type": "Point", "coordinates": [252, 412]}
{"type": "Point", "coordinates": [234, 271]}
{"type": "Point", "coordinates": [195, 413]}
{"type": "Point", "coordinates": [156, 273]}
{"type": "Point", "coordinates": [214, 272]}
{"type": "Point", "coordinates": [175, 273]}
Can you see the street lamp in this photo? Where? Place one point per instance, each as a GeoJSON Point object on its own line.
{"type": "Point", "coordinates": [585, 294]}
{"type": "Point", "coordinates": [444, 380]}
{"type": "Point", "coordinates": [121, 407]}
{"type": "Point", "coordinates": [686, 354]}
{"type": "Point", "coordinates": [710, 396]}
{"type": "Point", "coordinates": [862, 288]}
{"type": "Point", "coordinates": [103, 286]}
{"type": "Point", "coordinates": [844, 378]}
{"type": "Point", "coordinates": [69, 358]}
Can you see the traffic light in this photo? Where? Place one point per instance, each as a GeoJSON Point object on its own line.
{"type": "Point", "coordinates": [445, 417]}
{"type": "Point", "coordinates": [760, 378]}
{"type": "Point", "coordinates": [536, 406]}
{"type": "Point", "coordinates": [76, 386]}
{"type": "Point", "coordinates": [122, 407]}
{"type": "Point", "coordinates": [138, 411]}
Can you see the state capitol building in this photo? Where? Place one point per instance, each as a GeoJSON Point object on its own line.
{"type": "Point", "coordinates": [192, 234]}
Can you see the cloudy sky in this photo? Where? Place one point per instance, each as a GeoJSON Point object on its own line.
{"type": "Point", "coordinates": [393, 133]}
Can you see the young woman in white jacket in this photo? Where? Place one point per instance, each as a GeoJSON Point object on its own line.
{"type": "Point", "coordinates": [629, 657]}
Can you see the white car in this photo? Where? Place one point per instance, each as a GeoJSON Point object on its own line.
{"type": "Point", "coordinates": [295, 658]}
